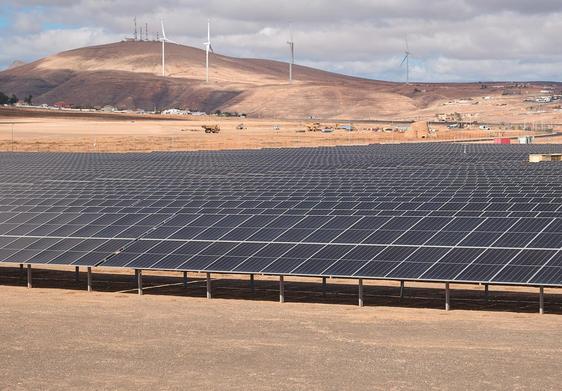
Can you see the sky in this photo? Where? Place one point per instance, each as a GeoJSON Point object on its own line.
{"type": "Point", "coordinates": [449, 40]}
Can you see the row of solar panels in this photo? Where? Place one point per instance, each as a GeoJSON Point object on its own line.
{"type": "Point", "coordinates": [399, 230]}
{"type": "Point", "coordinates": [431, 263]}
{"type": "Point", "coordinates": [401, 212]}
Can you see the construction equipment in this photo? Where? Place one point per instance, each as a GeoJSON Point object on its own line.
{"type": "Point", "coordinates": [211, 128]}
{"type": "Point", "coordinates": [314, 127]}
{"type": "Point", "coordinates": [347, 128]}
{"type": "Point", "coordinates": [241, 127]}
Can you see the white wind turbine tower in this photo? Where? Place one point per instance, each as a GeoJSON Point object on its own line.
{"type": "Point", "coordinates": [208, 47]}
{"type": "Point", "coordinates": [164, 39]}
{"type": "Point", "coordinates": [407, 61]}
{"type": "Point", "coordinates": [291, 44]}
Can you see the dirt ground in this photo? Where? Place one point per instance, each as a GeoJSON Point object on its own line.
{"type": "Point", "coordinates": [57, 336]}
{"type": "Point", "coordinates": [113, 133]}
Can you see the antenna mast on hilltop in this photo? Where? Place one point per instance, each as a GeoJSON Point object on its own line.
{"type": "Point", "coordinates": [135, 20]}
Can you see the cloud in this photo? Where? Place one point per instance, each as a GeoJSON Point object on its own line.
{"type": "Point", "coordinates": [450, 40]}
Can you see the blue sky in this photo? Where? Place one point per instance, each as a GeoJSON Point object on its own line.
{"type": "Point", "coordinates": [450, 40]}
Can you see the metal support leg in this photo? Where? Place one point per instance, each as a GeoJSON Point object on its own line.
{"type": "Point", "coordinates": [89, 279]}
{"type": "Point", "coordinates": [252, 283]}
{"type": "Point", "coordinates": [185, 280]}
{"type": "Point", "coordinates": [487, 292]}
{"type": "Point", "coordinates": [77, 274]}
{"type": "Point", "coordinates": [447, 297]}
{"type": "Point", "coordinates": [21, 271]}
{"type": "Point", "coordinates": [281, 289]}
{"type": "Point", "coordinates": [139, 281]}
{"type": "Point", "coordinates": [360, 292]}
{"type": "Point", "coordinates": [324, 284]}
{"type": "Point", "coordinates": [401, 290]}
{"type": "Point", "coordinates": [541, 300]}
{"type": "Point", "coordinates": [209, 293]}
{"type": "Point", "coordinates": [29, 277]}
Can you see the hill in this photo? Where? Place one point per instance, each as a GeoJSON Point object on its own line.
{"type": "Point", "coordinates": [128, 75]}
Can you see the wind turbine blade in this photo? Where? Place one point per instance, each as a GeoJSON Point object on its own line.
{"type": "Point", "coordinates": [404, 60]}
{"type": "Point", "coordinates": [211, 48]}
{"type": "Point", "coordinates": [163, 32]}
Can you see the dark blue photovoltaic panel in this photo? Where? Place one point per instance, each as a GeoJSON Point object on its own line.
{"type": "Point", "coordinates": [446, 212]}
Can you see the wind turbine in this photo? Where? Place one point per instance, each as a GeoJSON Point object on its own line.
{"type": "Point", "coordinates": [407, 61]}
{"type": "Point", "coordinates": [208, 47]}
{"type": "Point", "coordinates": [164, 39]}
{"type": "Point", "coordinates": [291, 44]}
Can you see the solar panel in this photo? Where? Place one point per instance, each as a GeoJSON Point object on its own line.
{"type": "Point", "coordinates": [427, 212]}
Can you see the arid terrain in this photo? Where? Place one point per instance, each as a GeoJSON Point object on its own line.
{"type": "Point", "coordinates": [44, 131]}
{"type": "Point", "coordinates": [128, 75]}
{"type": "Point", "coordinates": [58, 336]}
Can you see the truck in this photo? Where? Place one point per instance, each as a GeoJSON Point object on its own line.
{"type": "Point", "coordinates": [211, 128]}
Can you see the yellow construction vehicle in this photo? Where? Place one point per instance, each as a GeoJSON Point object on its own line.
{"type": "Point", "coordinates": [314, 127]}
{"type": "Point", "coordinates": [211, 128]}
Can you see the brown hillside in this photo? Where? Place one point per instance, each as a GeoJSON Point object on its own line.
{"type": "Point", "coordinates": [128, 75]}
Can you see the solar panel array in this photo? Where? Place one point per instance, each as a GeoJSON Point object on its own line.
{"type": "Point", "coordinates": [428, 212]}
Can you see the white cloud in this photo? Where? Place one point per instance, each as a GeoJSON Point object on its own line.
{"type": "Point", "coordinates": [450, 40]}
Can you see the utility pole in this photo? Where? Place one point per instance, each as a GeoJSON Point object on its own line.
{"type": "Point", "coordinates": [12, 137]}
{"type": "Point", "coordinates": [136, 36]}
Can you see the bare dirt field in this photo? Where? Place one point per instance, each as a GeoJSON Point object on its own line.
{"type": "Point", "coordinates": [116, 133]}
{"type": "Point", "coordinates": [58, 336]}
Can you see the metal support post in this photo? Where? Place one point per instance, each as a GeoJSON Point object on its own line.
{"type": "Point", "coordinates": [360, 292]}
{"type": "Point", "coordinates": [209, 293]}
{"type": "Point", "coordinates": [89, 279]}
{"type": "Point", "coordinates": [281, 289]}
{"type": "Point", "coordinates": [139, 281]}
{"type": "Point", "coordinates": [541, 300]}
{"type": "Point", "coordinates": [29, 277]}
{"type": "Point", "coordinates": [447, 297]}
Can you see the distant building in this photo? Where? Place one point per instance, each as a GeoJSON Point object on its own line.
{"type": "Point", "coordinates": [62, 105]}
{"type": "Point", "coordinates": [543, 99]}
{"type": "Point", "coordinates": [176, 112]}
